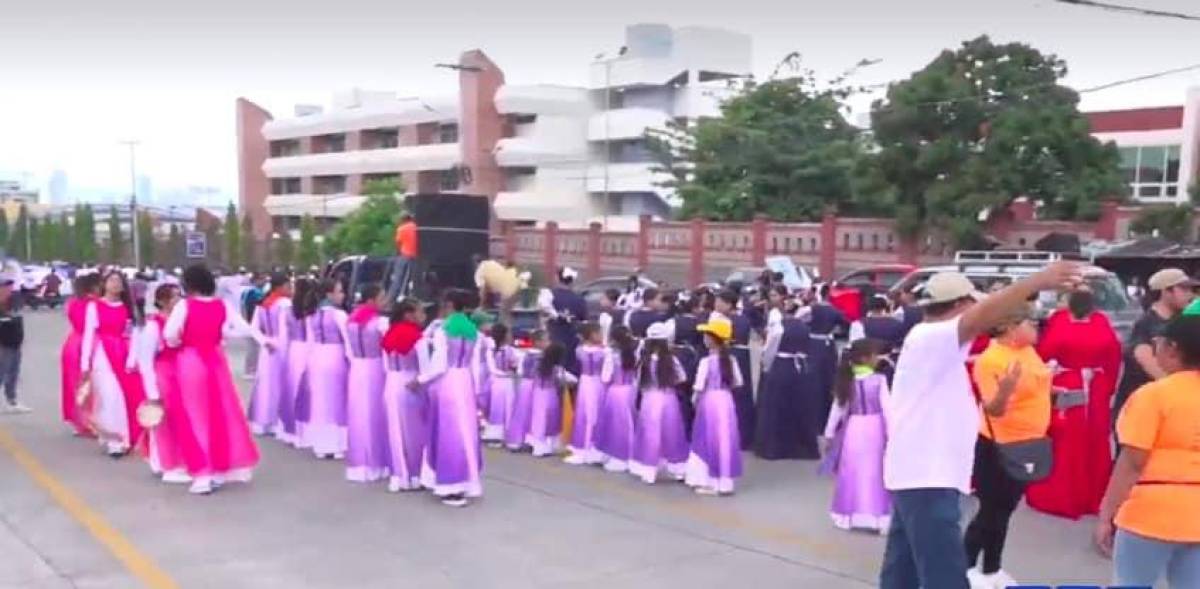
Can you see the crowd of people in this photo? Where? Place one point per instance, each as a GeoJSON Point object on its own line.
{"type": "Point", "coordinates": [957, 394]}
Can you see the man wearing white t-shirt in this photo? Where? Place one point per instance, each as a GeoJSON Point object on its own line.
{"type": "Point", "coordinates": [933, 424]}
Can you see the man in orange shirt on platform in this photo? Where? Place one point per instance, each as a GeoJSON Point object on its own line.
{"type": "Point", "coordinates": [406, 255]}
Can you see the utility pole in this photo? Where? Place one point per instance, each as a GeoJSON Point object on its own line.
{"type": "Point", "coordinates": [607, 139]}
{"type": "Point", "coordinates": [133, 210]}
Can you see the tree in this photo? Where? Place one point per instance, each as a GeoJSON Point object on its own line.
{"type": "Point", "coordinates": [307, 254]}
{"type": "Point", "coordinates": [233, 238]}
{"type": "Point", "coordinates": [371, 228]}
{"type": "Point", "coordinates": [19, 243]}
{"type": "Point", "coordinates": [145, 229]}
{"type": "Point", "coordinates": [85, 233]}
{"type": "Point", "coordinates": [248, 254]}
{"type": "Point", "coordinates": [781, 148]}
{"type": "Point", "coordinates": [4, 230]}
{"type": "Point", "coordinates": [116, 240]}
{"type": "Point", "coordinates": [977, 128]}
{"type": "Point", "coordinates": [1167, 221]}
{"type": "Point", "coordinates": [46, 239]}
{"type": "Point", "coordinates": [285, 249]}
{"type": "Point", "coordinates": [70, 242]}
{"type": "Point", "coordinates": [212, 238]}
{"type": "Point", "coordinates": [175, 246]}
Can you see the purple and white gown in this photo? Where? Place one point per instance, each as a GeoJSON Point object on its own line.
{"type": "Point", "coordinates": [715, 461]}
{"type": "Point", "coordinates": [295, 389]}
{"type": "Point", "coordinates": [616, 425]}
{"type": "Point", "coordinates": [661, 441]}
{"type": "Point", "coordinates": [517, 429]}
{"type": "Point", "coordinates": [858, 435]}
{"type": "Point", "coordinates": [367, 451]}
{"type": "Point", "coordinates": [545, 408]}
{"type": "Point", "coordinates": [589, 398]}
{"type": "Point", "coordinates": [323, 423]}
{"type": "Point", "coordinates": [270, 376]}
{"type": "Point", "coordinates": [407, 414]}
{"type": "Point", "coordinates": [502, 392]}
{"type": "Point", "coordinates": [483, 379]}
{"type": "Point", "coordinates": [453, 461]}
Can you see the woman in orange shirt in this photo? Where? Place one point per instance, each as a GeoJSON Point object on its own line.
{"type": "Point", "coordinates": [1148, 522]}
{"type": "Point", "coordinates": [1014, 391]}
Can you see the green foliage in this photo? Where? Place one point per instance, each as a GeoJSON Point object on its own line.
{"type": "Point", "coordinates": [70, 242]}
{"type": "Point", "coordinates": [370, 229]}
{"type": "Point", "coordinates": [116, 241]}
{"type": "Point", "coordinates": [307, 254]}
{"type": "Point", "coordinates": [4, 230]}
{"type": "Point", "coordinates": [1169, 222]}
{"type": "Point", "coordinates": [978, 127]}
{"type": "Point", "coordinates": [19, 243]}
{"type": "Point", "coordinates": [248, 254]}
{"type": "Point", "coordinates": [233, 238]}
{"type": "Point", "coordinates": [212, 238]}
{"type": "Point", "coordinates": [145, 229]}
{"type": "Point", "coordinates": [45, 235]}
{"type": "Point", "coordinates": [175, 246]}
{"type": "Point", "coordinates": [85, 233]}
{"type": "Point", "coordinates": [285, 249]}
{"type": "Point", "coordinates": [781, 148]}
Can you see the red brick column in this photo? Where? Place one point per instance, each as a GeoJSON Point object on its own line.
{"type": "Point", "coordinates": [696, 261]}
{"type": "Point", "coordinates": [593, 251]}
{"type": "Point", "coordinates": [1106, 225]}
{"type": "Point", "coordinates": [828, 258]}
{"type": "Point", "coordinates": [643, 243]}
{"type": "Point", "coordinates": [550, 250]}
{"type": "Point", "coordinates": [758, 241]}
{"type": "Point", "coordinates": [510, 241]}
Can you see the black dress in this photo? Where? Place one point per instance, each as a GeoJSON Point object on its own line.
{"type": "Point", "coordinates": [789, 401]}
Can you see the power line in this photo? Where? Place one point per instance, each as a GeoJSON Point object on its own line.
{"type": "Point", "coordinates": [1131, 9]}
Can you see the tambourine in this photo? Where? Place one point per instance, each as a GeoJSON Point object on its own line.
{"type": "Point", "coordinates": [149, 414]}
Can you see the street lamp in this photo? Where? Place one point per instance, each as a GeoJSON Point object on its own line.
{"type": "Point", "coordinates": [133, 212]}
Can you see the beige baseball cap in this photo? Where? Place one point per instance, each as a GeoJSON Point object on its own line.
{"type": "Point", "coordinates": [944, 287]}
{"type": "Point", "coordinates": [1168, 277]}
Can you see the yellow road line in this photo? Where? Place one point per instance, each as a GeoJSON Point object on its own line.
{"type": "Point", "coordinates": [137, 563]}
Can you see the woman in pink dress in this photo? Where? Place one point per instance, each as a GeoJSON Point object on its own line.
{"type": "Point", "coordinates": [405, 351]}
{"type": "Point", "coordinates": [324, 422]}
{"type": "Point", "coordinates": [172, 446]}
{"type": "Point", "coordinates": [87, 288]}
{"type": "Point", "coordinates": [106, 362]}
{"type": "Point", "coordinates": [211, 405]}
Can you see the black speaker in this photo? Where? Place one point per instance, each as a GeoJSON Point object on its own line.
{"type": "Point", "coordinates": [452, 236]}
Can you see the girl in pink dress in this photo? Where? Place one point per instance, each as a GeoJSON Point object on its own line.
{"type": "Point", "coordinates": [324, 423]}
{"type": "Point", "coordinates": [106, 362]}
{"type": "Point", "coordinates": [87, 288]}
{"type": "Point", "coordinates": [172, 447]}
{"type": "Point", "coordinates": [211, 405]}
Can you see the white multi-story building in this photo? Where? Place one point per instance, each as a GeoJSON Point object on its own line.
{"type": "Point", "coordinates": [540, 152]}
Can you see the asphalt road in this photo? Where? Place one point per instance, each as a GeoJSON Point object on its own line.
{"type": "Point", "coordinates": [71, 517]}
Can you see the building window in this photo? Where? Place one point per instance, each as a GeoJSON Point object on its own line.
{"type": "Point", "coordinates": [329, 143]}
{"type": "Point", "coordinates": [285, 148]}
{"type": "Point", "coordinates": [285, 186]}
{"type": "Point", "coordinates": [449, 181]}
{"type": "Point", "coordinates": [381, 138]}
{"type": "Point", "coordinates": [1152, 171]}
{"type": "Point", "coordinates": [329, 184]}
{"type": "Point", "coordinates": [448, 133]}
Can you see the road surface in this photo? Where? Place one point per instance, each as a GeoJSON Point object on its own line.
{"type": "Point", "coordinates": [71, 517]}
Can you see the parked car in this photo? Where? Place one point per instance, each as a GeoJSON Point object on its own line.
{"type": "Point", "coordinates": [594, 290]}
{"type": "Point", "coordinates": [795, 277]}
{"type": "Point", "coordinates": [850, 292]}
{"type": "Point", "coordinates": [986, 269]}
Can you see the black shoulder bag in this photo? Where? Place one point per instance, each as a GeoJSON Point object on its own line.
{"type": "Point", "coordinates": [1027, 461]}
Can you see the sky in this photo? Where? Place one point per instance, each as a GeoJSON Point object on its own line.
{"type": "Point", "coordinates": [77, 77]}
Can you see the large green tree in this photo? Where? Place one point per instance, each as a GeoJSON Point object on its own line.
{"type": "Point", "coordinates": [116, 239]}
{"type": "Point", "coordinates": [174, 251]}
{"type": "Point", "coordinates": [70, 242]}
{"type": "Point", "coordinates": [782, 148]}
{"type": "Point", "coordinates": [285, 248]}
{"type": "Point", "coordinates": [233, 238]}
{"type": "Point", "coordinates": [249, 254]}
{"type": "Point", "coordinates": [85, 233]}
{"type": "Point", "coordinates": [4, 230]}
{"type": "Point", "coordinates": [19, 239]}
{"type": "Point", "coordinates": [306, 253]}
{"type": "Point", "coordinates": [1167, 221]}
{"type": "Point", "coordinates": [145, 228]}
{"type": "Point", "coordinates": [371, 228]}
{"type": "Point", "coordinates": [978, 127]}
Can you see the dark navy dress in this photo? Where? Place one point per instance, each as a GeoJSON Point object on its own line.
{"type": "Point", "coordinates": [743, 396]}
{"type": "Point", "coordinates": [824, 321]}
{"type": "Point", "coordinates": [564, 329]}
{"type": "Point", "coordinates": [789, 402]}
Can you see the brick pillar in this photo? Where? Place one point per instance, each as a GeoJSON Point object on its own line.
{"type": "Point", "coordinates": [550, 250]}
{"type": "Point", "coordinates": [593, 251]}
{"type": "Point", "coordinates": [510, 241]}
{"type": "Point", "coordinates": [828, 258]}
{"type": "Point", "coordinates": [758, 240]}
{"type": "Point", "coordinates": [643, 243]}
{"type": "Point", "coordinates": [1106, 225]}
{"type": "Point", "coordinates": [696, 260]}
{"type": "Point", "coordinates": [908, 250]}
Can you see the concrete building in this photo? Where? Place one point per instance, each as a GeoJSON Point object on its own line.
{"type": "Point", "coordinates": [539, 152]}
{"type": "Point", "coordinates": [1159, 148]}
{"type": "Point", "coordinates": [58, 188]}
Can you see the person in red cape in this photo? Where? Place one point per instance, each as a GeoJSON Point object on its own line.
{"type": "Point", "coordinates": [1082, 345]}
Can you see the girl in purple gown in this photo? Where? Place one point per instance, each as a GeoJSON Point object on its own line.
{"type": "Point", "coordinates": [367, 455]}
{"type": "Point", "coordinates": [661, 441]}
{"type": "Point", "coordinates": [716, 458]}
{"type": "Point", "coordinates": [517, 429]}
{"type": "Point", "coordinates": [406, 404]}
{"type": "Point", "coordinates": [502, 386]}
{"type": "Point", "coordinates": [856, 435]}
{"type": "Point", "coordinates": [294, 330]}
{"type": "Point", "coordinates": [271, 373]}
{"type": "Point", "coordinates": [324, 423]}
{"type": "Point", "coordinates": [546, 378]}
{"type": "Point", "coordinates": [589, 396]}
{"type": "Point", "coordinates": [617, 422]}
{"type": "Point", "coordinates": [453, 460]}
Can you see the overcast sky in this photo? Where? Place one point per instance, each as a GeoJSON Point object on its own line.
{"type": "Point", "coordinates": [80, 75]}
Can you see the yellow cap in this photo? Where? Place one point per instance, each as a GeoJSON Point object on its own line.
{"type": "Point", "coordinates": [719, 327]}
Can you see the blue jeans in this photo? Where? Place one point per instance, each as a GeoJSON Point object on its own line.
{"type": "Point", "coordinates": [924, 545]}
{"type": "Point", "coordinates": [1139, 561]}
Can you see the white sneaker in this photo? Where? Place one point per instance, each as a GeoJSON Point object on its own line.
{"type": "Point", "coordinates": [17, 408]}
{"type": "Point", "coordinates": [201, 486]}
{"type": "Point", "coordinates": [394, 485]}
{"type": "Point", "coordinates": [455, 501]}
{"type": "Point", "coordinates": [176, 477]}
{"type": "Point", "coordinates": [977, 580]}
{"type": "Point", "coordinates": [999, 580]}
{"type": "Point", "coordinates": [709, 491]}
{"type": "Point", "coordinates": [574, 460]}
